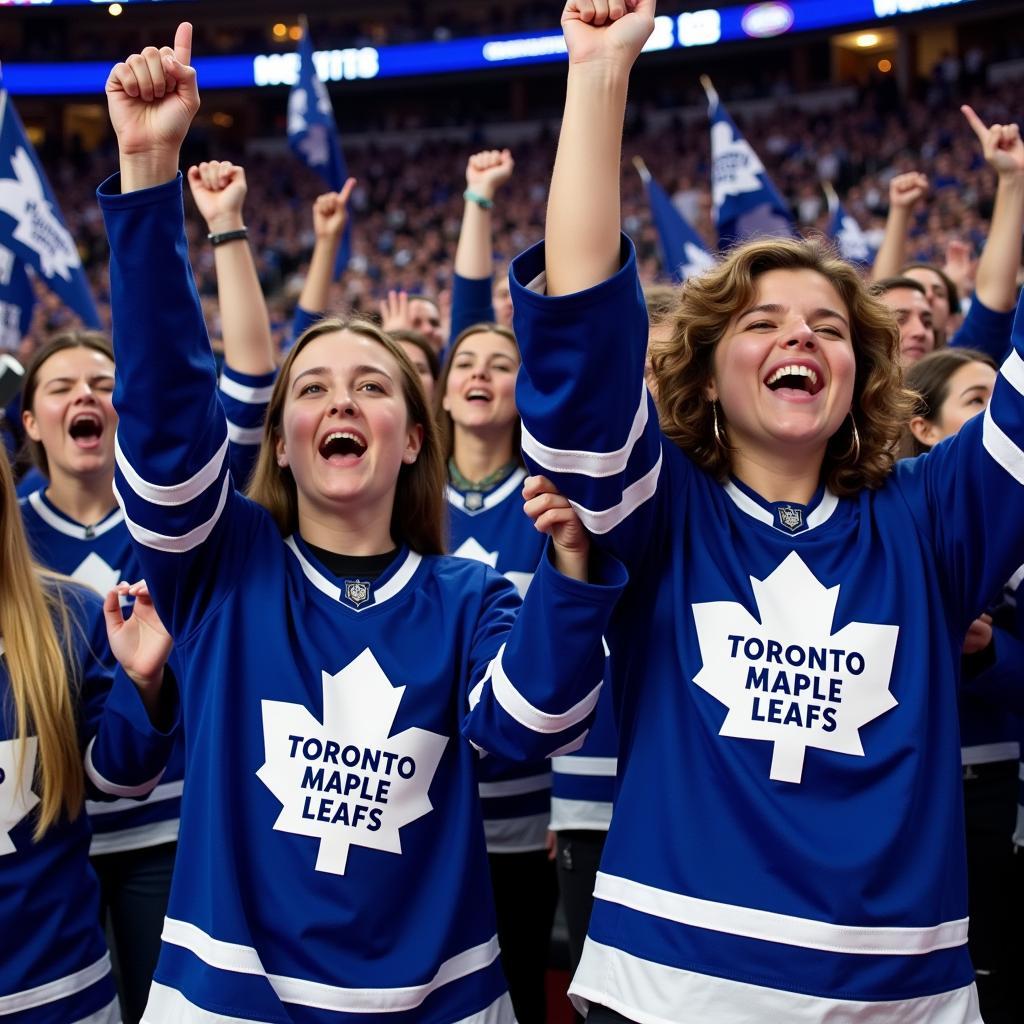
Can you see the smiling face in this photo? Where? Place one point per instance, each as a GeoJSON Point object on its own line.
{"type": "Point", "coordinates": [345, 427]}
{"type": "Point", "coordinates": [425, 317]}
{"type": "Point", "coordinates": [480, 392]}
{"type": "Point", "coordinates": [968, 392]}
{"type": "Point", "coordinates": [914, 317]}
{"type": "Point", "coordinates": [72, 414]}
{"type": "Point", "coordinates": [784, 369]}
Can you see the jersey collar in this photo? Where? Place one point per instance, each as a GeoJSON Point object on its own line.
{"type": "Point", "coordinates": [788, 517]}
{"type": "Point", "coordinates": [484, 500]}
{"type": "Point", "coordinates": [49, 514]}
{"type": "Point", "coordinates": [356, 594]}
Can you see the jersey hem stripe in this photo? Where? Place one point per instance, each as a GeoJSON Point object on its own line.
{"type": "Point", "coordinates": [653, 993]}
{"type": "Point", "coordinates": [167, 791]}
{"type": "Point", "coordinates": [769, 926]}
{"type": "Point", "coordinates": [110, 1014]}
{"type": "Point", "coordinates": [59, 988]}
{"type": "Point", "coordinates": [583, 765]}
{"type": "Point", "coordinates": [515, 787]}
{"type": "Point", "coordinates": [239, 959]}
{"type": "Point", "coordinates": [104, 785]}
{"type": "Point", "coordinates": [142, 837]}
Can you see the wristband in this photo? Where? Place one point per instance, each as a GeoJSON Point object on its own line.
{"type": "Point", "coordinates": [227, 236]}
{"type": "Point", "coordinates": [474, 197]}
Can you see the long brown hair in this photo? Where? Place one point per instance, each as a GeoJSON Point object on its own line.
{"type": "Point", "coordinates": [417, 518]}
{"type": "Point", "coordinates": [707, 304]}
{"type": "Point", "coordinates": [81, 338]}
{"type": "Point", "coordinates": [445, 423]}
{"type": "Point", "coordinates": [929, 379]}
{"type": "Point", "coordinates": [35, 629]}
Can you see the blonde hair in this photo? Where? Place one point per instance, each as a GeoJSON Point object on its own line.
{"type": "Point", "coordinates": [417, 518]}
{"type": "Point", "coordinates": [35, 628]}
{"type": "Point", "coordinates": [707, 304]}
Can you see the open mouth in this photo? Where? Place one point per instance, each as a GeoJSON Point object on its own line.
{"type": "Point", "coordinates": [795, 377]}
{"type": "Point", "coordinates": [478, 395]}
{"type": "Point", "coordinates": [86, 430]}
{"type": "Point", "coordinates": [342, 446]}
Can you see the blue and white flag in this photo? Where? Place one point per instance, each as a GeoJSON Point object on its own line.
{"type": "Point", "coordinates": [313, 135]}
{"type": "Point", "coordinates": [17, 300]}
{"type": "Point", "coordinates": [850, 239]}
{"type": "Point", "coordinates": [683, 253]}
{"type": "Point", "coordinates": [746, 203]}
{"type": "Point", "coordinates": [31, 224]}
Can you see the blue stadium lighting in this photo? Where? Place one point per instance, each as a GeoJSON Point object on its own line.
{"type": "Point", "coordinates": [691, 29]}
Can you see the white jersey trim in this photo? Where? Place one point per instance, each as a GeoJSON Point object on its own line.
{"type": "Point", "coordinates": [172, 494]}
{"type": "Point", "coordinates": [581, 765]}
{"type": "Point", "coordinates": [591, 815]}
{"type": "Point", "coordinates": [517, 835]}
{"type": "Point", "coordinates": [819, 515]}
{"type": "Point", "coordinates": [653, 993]}
{"type": "Point", "coordinates": [243, 392]}
{"type": "Point", "coordinates": [230, 956]}
{"type": "Point", "coordinates": [1001, 448]}
{"type": "Point", "coordinates": [518, 707]}
{"type": "Point", "coordinates": [166, 1004]}
{"type": "Point", "coordinates": [769, 926]}
{"type": "Point", "coordinates": [496, 497]}
{"type": "Point", "coordinates": [110, 1014]}
{"type": "Point", "coordinates": [69, 528]}
{"type": "Point", "coordinates": [632, 498]}
{"type": "Point", "coordinates": [990, 753]}
{"type": "Point", "coordinates": [142, 837]}
{"type": "Point", "coordinates": [186, 541]}
{"type": "Point", "coordinates": [592, 464]}
{"type": "Point", "coordinates": [499, 1012]}
{"type": "Point", "coordinates": [1015, 580]}
{"type": "Point", "coordinates": [515, 787]}
{"type": "Point", "coordinates": [168, 791]}
{"type": "Point", "coordinates": [59, 988]}
{"type": "Point", "coordinates": [244, 435]}
{"type": "Point", "coordinates": [1013, 370]}
{"type": "Point", "coordinates": [380, 595]}
{"type": "Point", "coordinates": [104, 785]}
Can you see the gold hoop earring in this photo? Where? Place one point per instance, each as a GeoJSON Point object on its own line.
{"type": "Point", "coordinates": [714, 423]}
{"type": "Point", "coordinates": [853, 452]}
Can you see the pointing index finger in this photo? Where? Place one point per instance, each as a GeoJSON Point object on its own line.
{"type": "Point", "coordinates": [974, 121]}
{"type": "Point", "coordinates": [183, 43]}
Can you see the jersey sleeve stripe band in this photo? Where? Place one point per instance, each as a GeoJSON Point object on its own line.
{"type": "Point", "coordinates": [176, 545]}
{"type": "Point", "coordinates": [171, 494]}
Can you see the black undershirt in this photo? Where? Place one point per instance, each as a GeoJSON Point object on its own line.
{"type": "Point", "coordinates": [363, 567]}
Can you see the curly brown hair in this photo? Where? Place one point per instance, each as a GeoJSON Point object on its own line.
{"type": "Point", "coordinates": [707, 304]}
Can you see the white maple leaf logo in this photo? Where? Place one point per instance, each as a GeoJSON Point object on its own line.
{"type": "Point", "coordinates": [853, 243]}
{"type": "Point", "coordinates": [348, 782]}
{"type": "Point", "coordinates": [94, 572]}
{"type": "Point", "coordinates": [698, 260]}
{"type": "Point", "coordinates": [734, 165]}
{"type": "Point", "coordinates": [472, 548]}
{"type": "Point", "coordinates": [16, 796]}
{"type": "Point", "coordinates": [38, 225]}
{"type": "Point", "coordinates": [788, 679]}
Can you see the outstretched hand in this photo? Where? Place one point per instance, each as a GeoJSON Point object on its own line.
{"type": "Point", "coordinates": [552, 514]}
{"type": "Point", "coordinates": [394, 312]}
{"type": "Point", "coordinates": [140, 642]}
{"type": "Point", "coordinates": [330, 211]}
{"type": "Point", "coordinates": [608, 32]}
{"type": "Point", "coordinates": [219, 189]}
{"type": "Point", "coordinates": [1000, 143]}
{"type": "Point", "coordinates": [152, 97]}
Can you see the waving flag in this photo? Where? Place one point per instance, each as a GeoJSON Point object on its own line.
{"type": "Point", "coordinates": [747, 204]}
{"type": "Point", "coordinates": [313, 135]}
{"type": "Point", "coordinates": [17, 300]}
{"type": "Point", "coordinates": [31, 225]}
{"type": "Point", "coordinates": [846, 232]}
{"type": "Point", "coordinates": [683, 253]}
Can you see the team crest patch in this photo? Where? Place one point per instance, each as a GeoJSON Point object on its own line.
{"type": "Point", "coordinates": [791, 518]}
{"type": "Point", "coordinates": [357, 591]}
{"type": "Point", "coordinates": [474, 501]}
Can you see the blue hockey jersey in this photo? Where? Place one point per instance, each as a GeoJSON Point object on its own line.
{"type": "Point", "coordinates": [787, 839]}
{"type": "Point", "coordinates": [54, 965]}
{"type": "Point", "coordinates": [491, 527]}
{"type": "Point", "coordinates": [331, 825]}
{"type": "Point", "coordinates": [99, 556]}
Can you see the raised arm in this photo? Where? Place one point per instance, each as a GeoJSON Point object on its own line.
{"type": "Point", "coordinates": [472, 303]}
{"type": "Point", "coordinates": [996, 281]}
{"type": "Point", "coordinates": [330, 216]}
{"type": "Point", "coordinates": [219, 189]}
{"type": "Point", "coordinates": [604, 38]}
{"type": "Point", "coordinates": [905, 190]}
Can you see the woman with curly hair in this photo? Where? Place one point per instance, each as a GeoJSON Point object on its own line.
{"type": "Point", "coordinates": [785, 658]}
